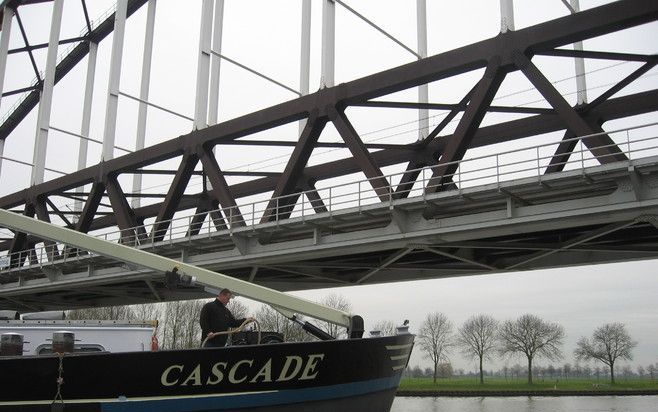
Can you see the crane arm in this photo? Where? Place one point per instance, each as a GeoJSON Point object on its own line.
{"type": "Point", "coordinates": [159, 263]}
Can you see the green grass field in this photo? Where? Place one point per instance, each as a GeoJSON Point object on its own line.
{"type": "Point", "coordinates": [515, 385]}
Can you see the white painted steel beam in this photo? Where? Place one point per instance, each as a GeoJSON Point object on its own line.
{"type": "Point", "coordinates": [7, 18]}
{"type": "Point", "coordinates": [379, 29]}
{"type": "Point", "coordinates": [144, 93]}
{"type": "Point", "coordinates": [256, 72]}
{"type": "Point", "coordinates": [305, 55]}
{"type": "Point", "coordinates": [86, 139]}
{"type": "Point", "coordinates": [423, 90]}
{"type": "Point", "coordinates": [581, 82]}
{"type": "Point", "coordinates": [114, 81]}
{"type": "Point", "coordinates": [216, 61]}
{"type": "Point", "coordinates": [328, 44]}
{"type": "Point", "coordinates": [506, 16]}
{"type": "Point", "coordinates": [86, 116]}
{"type": "Point", "coordinates": [45, 103]}
{"type": "Point", "coordinates": [162, 264]}
{"type": "Point", "coordinates": [147, 103]}
{"type": "Point", "coordinates": [203, 66]}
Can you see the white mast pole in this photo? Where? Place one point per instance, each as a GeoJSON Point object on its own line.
{"type": "Point", "coordinates": [46, 101]}
{"type": "Point", "coordinates": [7, 18]}
{"type": "Point", "coordinates": [86, 115]}
{"type": "Point", "coordinates": [423, 90]}
{"type": "Point", "coordinates": [328, 43]}
{"type": "Point", "coordinates": [506, 15]}
{"type": "Point", "coordinates": [581, 82]}
{"type": "Point", "coordinates": [144, 93]}
{"type": "Point", "coordinates": [203, 67]}
{"type": "Point", "coordinates": [112, 106]}
{"type": "Point", "coordinates": [216, 61]}
{"type": "Point", "coordinates": [305, 58]}
{"type": "Point", "coordinates": [162, 264]}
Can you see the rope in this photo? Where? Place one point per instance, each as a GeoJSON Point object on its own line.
{"type": "Point", "coordinates": [232, 331]}
{"type": "Point", "coordinates": [60, 380]}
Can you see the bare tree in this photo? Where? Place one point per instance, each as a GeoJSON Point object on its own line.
{"type": "Point", "coordinates": [191, 333]}
{"type": "Point", "coordinates": [477, 338]}
{"type": "Point", "coordinates": [174, 319]}
{"type": "Point", "coordinates": [386, 327]}
{"type": "Point", "coordinates": [436, 339]}
{"type": "Point", "coordinates": [147, 311]}
{"type": "Point", "coordinates": [609, 343]}
{"type": "Point", "coordinates": [337, 302]}
{"type": "Point", "coordinates": [181, 329]}
{"type": "Point", "coordinates": [533, 337]}
{"type": "Point", "coordinates": [640, 371]}
{"type": "Point", "coordinates": [102, 313]}
{"type": "Point", "coordinates": [238, 309]}
{"type": "Point", "coordinates": [271, 320]}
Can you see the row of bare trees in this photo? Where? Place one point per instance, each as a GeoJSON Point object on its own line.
{"type": "Point", "coordinates": [482, 337]}
{"type": "Point", "coordinates": [179, 320]}
{"type": "Point", "coordinates": [541, 371]}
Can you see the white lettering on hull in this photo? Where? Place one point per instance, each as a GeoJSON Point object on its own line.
{"type": "Point", "coordinates": [295, 368]}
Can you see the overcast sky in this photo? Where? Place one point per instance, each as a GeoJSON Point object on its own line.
{"type": "Point", "coordinates": [265, 36]}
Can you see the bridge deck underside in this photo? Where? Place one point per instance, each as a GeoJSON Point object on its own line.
{"type": "Point", "coordinates": [570, 218]}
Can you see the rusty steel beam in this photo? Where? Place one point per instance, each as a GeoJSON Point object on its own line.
{"type": "Point", "coordinates": [174, 196]}
{"type": "Point", "coordinates": [623, 83]}
{"type": "Point", "coordinates": [468, 124]}
{"type": "Point", "coordinates": [221, 190]}
{"type": "Point", "coordinates": [603, 147]}
{"type": "Point", "coordinates": [125, 216]}
{"type": "Point", "coordinates": [289, 182]}
{"type": "Point", "coordinates": [42, 214]}
{"type": "Point", "coordinates": [359, 152]}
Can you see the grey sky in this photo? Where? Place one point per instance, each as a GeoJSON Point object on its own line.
{"type": "Point", "coordinates": [578, 298]}
{"type": "Point", "coordinates": [265, 35]}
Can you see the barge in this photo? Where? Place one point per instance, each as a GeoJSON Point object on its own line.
{"type": "Point", "coordinates": [352, 374]}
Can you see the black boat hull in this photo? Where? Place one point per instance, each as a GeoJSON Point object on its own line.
{"type": "Point", "coordinates": [346, 375]}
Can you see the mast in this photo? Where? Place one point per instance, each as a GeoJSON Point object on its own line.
{"type": "Point", "coordinates": [287, 304]}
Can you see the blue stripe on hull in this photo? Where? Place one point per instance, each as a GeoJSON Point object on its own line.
{"type": "Point", "coordinates": [254, 400]}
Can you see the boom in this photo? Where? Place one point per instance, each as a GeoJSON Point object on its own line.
{"type": "Point", "coordinates": [289, 304]}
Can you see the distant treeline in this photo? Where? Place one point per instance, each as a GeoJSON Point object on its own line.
{"type": "Point", "coordinates": [481, 338]}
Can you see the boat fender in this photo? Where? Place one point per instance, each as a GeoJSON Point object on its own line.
{"type": "Point", "coordinates": [154, 343]}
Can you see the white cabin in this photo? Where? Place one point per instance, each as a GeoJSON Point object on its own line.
{"type": "Point", "coordinates": [90, 335]}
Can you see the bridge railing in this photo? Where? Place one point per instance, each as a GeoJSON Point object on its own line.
{"type": "Point", "coordinates": [487, 169]}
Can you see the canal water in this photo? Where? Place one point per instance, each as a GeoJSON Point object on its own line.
{"type": "Point", "coordinates": [527, 404]}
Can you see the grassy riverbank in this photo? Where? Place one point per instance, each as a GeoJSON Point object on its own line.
{"type": "Point", "coordinates": [512, 387]}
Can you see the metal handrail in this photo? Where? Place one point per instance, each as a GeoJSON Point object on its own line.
{"type": "Point", "coordinates": [494, 168]}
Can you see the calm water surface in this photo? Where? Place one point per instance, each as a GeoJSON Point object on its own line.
{"type": "Point", "coordinates": [528, 404]}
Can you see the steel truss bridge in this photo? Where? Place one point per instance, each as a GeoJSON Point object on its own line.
{"type": "Point", "coordinates": [590, 196]}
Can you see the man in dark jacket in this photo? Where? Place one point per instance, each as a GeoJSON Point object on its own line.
{"type": "Point", "coordinates": [215, 317]}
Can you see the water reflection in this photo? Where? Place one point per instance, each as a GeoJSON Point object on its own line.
{"type": "Point", "coordinates": [527, 404]}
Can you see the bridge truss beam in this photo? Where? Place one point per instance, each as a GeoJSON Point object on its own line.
{"type": "Point", "coordinates": [107, 205]}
